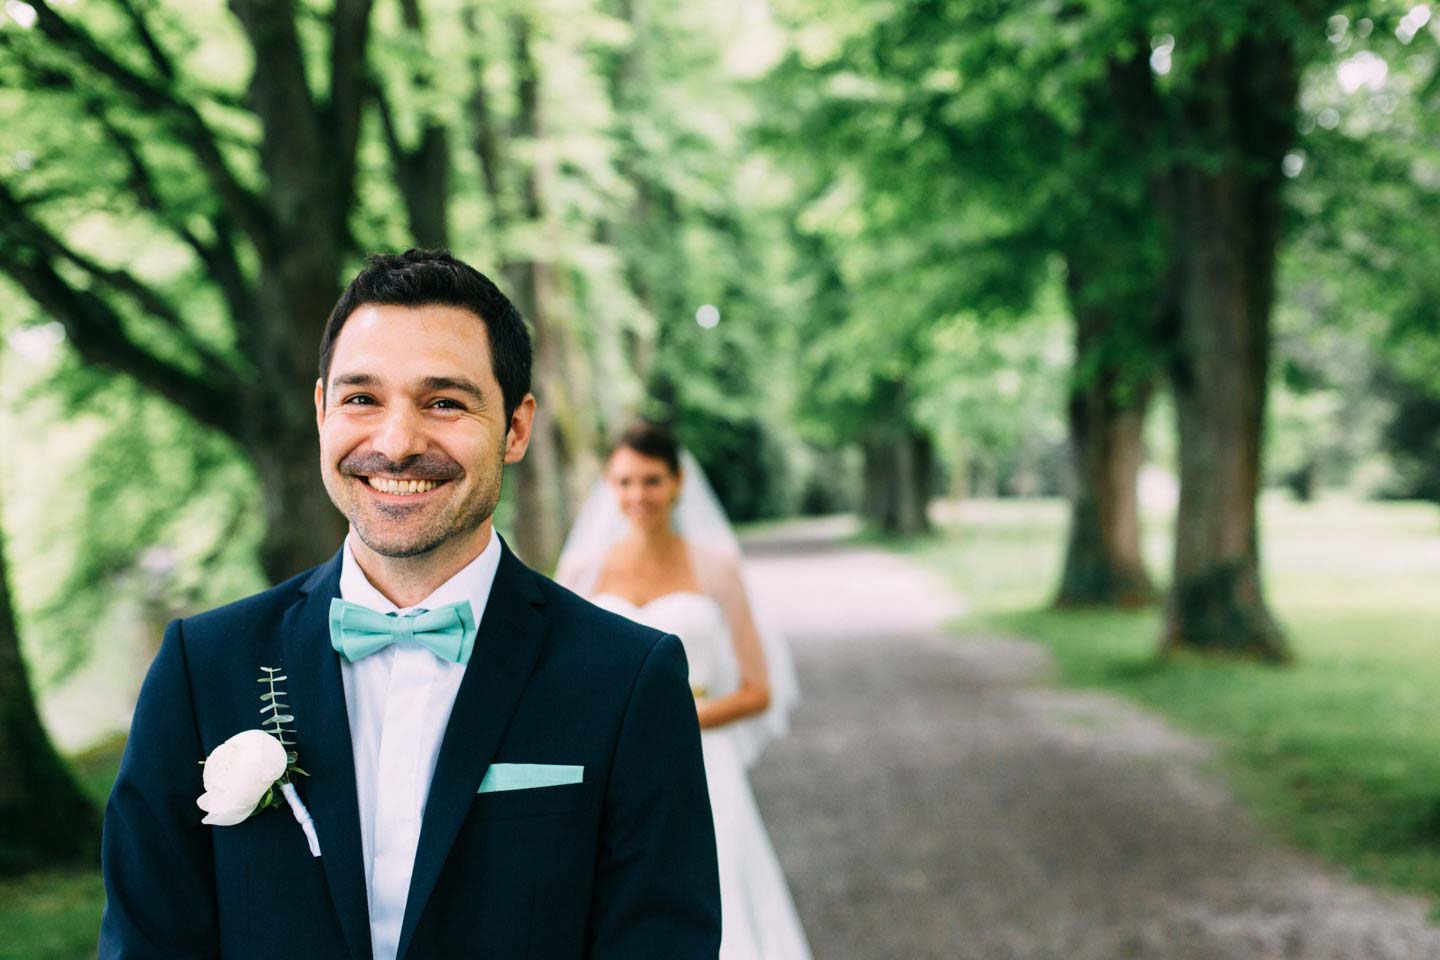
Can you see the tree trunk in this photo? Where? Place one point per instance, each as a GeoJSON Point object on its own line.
{"type": "Point", "coordinates": [897, 486]}
{"type": "Point", "coordinates": [308, 155]}
{"type": "Point", "coordinates": [302, 526]}
{"type": "Point", "coordinates": [296, 291]}
{"type": "Point", "coordinates": [1224, 225]}
{"type": "Point", "coordinates": [1103, 562]}
{"type": "Point", "coordinates": [541, 497]}
{"type": "Point", "coordinates": [543, 487]}
{"type": "Point", "coordinates": [45, 818]}
{"type": "Point", "coordinates": [1118, 293]}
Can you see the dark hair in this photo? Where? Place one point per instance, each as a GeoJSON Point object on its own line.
{"type": "Point", "coordinates": [419, 278]}
{"type": "Point", "coordinates": [650, 439]}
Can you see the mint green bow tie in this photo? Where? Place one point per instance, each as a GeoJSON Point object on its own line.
{"type": "Point", "coordinates": [357, 631]}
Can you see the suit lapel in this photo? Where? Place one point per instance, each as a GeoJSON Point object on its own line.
{"type": "Point", "coordinates": [507, 647]}
{"type": "Point", "coordinates": [322, 733]}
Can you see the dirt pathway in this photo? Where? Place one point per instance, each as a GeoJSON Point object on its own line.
{"type": "Point", "coordinates": [938, 799]}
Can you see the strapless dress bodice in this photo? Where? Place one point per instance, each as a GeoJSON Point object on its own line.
{"type": "Point", "coordinates": [699, 623]}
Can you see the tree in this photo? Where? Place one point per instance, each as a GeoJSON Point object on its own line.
{"type": "Point", "coordinates": [986, 144]}
{"type": "Point", "coordinates": [257, 224]}
{"type": "Point", "coordinates": [519, 192]}
{"type": "Point", "coordinates": [45, 818]}
{"type": "Point", "coordinates": [699, 242]}
{"type": "Point", "coordinates": [261, 200]}
{"type": "Point", "coordinates": [863, 364]}
{"type": "Point", "coordinates": [1235, 104]}
{"type": "Point", "coordinates": [1116, 282]}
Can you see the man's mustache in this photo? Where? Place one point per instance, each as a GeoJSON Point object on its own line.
{"type": "Point", "coordinates": [418, 467]}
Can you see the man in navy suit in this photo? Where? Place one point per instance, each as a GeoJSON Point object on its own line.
{"type": "Point", "coordinates": [495, 767]}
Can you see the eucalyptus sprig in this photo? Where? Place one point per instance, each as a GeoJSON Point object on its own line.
{"type": "Point", "coordinates": [277, 724]}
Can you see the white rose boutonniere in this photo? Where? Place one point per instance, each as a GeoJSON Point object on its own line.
{"type": "Point", "coordinates": [252, 770]}
{"type": "Point", "coordinates": [239, 774]}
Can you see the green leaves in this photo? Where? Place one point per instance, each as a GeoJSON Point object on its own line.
{"type": "Point", "coordinates": [277, 723]}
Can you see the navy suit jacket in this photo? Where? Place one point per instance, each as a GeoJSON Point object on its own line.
{"type": "Point", "coordinates": [621, 865]}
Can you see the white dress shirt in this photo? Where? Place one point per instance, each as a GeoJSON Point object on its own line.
{"type": "Point", "coordinates": [399, 701]}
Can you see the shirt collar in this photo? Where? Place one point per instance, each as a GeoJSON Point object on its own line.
{"type": "Point", "coordinates": [472, 582]}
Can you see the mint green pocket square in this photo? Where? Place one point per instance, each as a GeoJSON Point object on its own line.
{"type": "Point", "coordinates": [526, 776]}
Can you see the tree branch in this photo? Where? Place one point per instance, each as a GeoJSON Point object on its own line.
{"type": "Point", "coordinates": [28, 252]}
{"type": "Point", "coordinates": [348, 81]}
{"type": "Point", "coordinates": [423, 173]}
{"type": "Point", "coordinates": [215, 367]}
{"type": "Point", "coordinates": [220, 258]}
{"type": "Point", "coordinates": [158, 57]}
{"type": "Point", "coordinates": [182, 117]}
{"type": "Point", "coordinates": [398, 154]}
{"type": "Point", "coordinates": [527, 120]}
{"type": "Point", "coordinates": [165, 64]}
{"type": "Point", "coordinates": [486, 142]}
{"type": "Point", "coordinates": [299, 162]}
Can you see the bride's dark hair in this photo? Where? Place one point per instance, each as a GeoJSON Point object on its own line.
{"type": "Point", "coordinates": [650, 439]}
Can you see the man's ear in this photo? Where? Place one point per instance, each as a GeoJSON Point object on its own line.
{"type": "Point", "coordinates": [319, 403]}
{"type": "Point", "coordinates": [522, 423]}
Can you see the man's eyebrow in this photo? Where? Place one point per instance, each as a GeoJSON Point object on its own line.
{"type": "Point", "coordinates": [354, 380]}
{"type": "Point", "coordinates": [463, 384]}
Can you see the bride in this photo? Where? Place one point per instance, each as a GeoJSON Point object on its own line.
{"type": "Point", "coordinates": [653, 544]}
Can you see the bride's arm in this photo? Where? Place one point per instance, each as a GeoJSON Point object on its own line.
{"type": "Point", "coordinates": [752, 696]}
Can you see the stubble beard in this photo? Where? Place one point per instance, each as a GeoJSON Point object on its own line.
{"type": "Point", "coordinates": [460, 520]}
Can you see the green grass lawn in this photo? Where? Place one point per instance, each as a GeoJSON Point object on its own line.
{"type": "Point", "coordinates": [55, 915]}
{"type": "Point", "coordinates": [1338, 752]}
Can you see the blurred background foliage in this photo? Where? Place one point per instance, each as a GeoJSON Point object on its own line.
{"type": "Point", "coordinates": [897, 211]}
{"type": "Point", "coordinates": [861, 255]}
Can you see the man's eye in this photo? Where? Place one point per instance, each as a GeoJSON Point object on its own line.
{"type": "Point", "coordinates": [360, 398]}
{"type": "Point", "coordinates": [450, 404]}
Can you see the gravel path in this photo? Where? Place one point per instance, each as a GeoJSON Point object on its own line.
{"type": "Point", "coordinates": [937, 798]}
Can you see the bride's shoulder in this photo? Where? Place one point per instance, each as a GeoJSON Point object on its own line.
{"type": "Point", "coordinates": [708, 552]}
{"type": "Point", "coordinates": [578, 571]}
{"type": "Point", "coordinates": [712, 564]}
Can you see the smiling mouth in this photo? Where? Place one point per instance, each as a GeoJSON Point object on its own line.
{"type": "Point", "coordinates": [401, 488]}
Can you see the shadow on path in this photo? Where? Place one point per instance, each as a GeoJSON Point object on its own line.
{"type": "Point", "coordinates": [939, 799]}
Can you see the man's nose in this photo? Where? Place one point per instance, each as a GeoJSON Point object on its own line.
{"type": "Point", "coordinates": [400, 435]}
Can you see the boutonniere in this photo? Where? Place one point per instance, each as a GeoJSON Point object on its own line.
{"type": "Point", "coordinates": [253, 769]}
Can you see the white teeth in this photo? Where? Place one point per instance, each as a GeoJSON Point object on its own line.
{"type": "Point", "coordinates": [402, 487]}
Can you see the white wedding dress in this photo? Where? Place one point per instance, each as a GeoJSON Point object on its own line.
{"type": "Point", "coordinates": [758, 917]}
